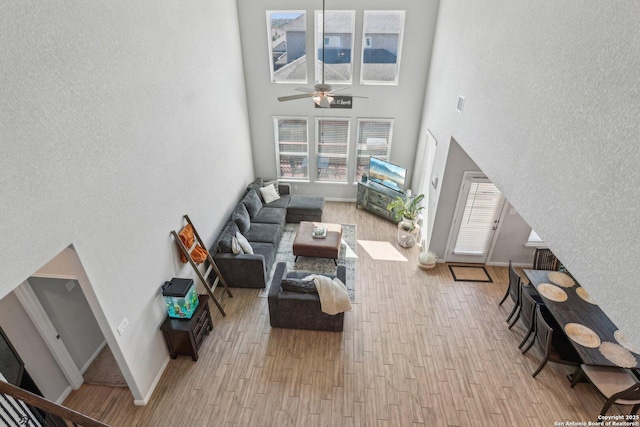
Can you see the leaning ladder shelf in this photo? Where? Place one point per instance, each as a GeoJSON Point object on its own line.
{"type": "Point", "coordinates": [211, 268]}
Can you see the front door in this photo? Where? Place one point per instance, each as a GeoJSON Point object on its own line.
{"type": "Point", "coordinates": [476, 219]}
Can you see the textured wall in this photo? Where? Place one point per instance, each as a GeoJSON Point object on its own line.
{"type": "Point", "coordinates": [116, 119]}
{"type": "Point", "coordinates": [551, 116]}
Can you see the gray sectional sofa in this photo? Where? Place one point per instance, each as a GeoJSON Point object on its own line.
{"type": "Point", "coordinates": [262, 224]}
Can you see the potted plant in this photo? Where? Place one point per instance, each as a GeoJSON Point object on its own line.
{"type": "Point", "coordinates": [408, 209]}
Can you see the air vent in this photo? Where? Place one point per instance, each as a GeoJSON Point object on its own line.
{"type": "Point", "coordinates": [460, 106]}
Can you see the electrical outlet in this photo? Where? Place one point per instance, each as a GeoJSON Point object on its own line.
{"type": "Point", "coordinates": [123, 326]}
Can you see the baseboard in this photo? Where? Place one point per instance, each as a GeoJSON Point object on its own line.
{"type": "Point", "coordinates": [339, 199]}
{"type": "Point", "coordinates": [64, 395]}
{"type": "Point", "coordinates": [93, 357]}
{"type": "Point", "coordinates": [506, 264]}
{"type": "Point", "coordinates": [143, 402]}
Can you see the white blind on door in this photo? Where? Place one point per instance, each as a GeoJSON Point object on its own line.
{"type": "Point", "coordinates": [481, 210]}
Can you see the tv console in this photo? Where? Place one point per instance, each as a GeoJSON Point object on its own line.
{"type": "Point", "coordinates": [376, 197]}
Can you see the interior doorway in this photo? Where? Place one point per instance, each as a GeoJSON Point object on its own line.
{"type": "Point", "coordinates": [476, 220]}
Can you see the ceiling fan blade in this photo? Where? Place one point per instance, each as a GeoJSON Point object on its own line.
{"type": "Point", "coordinates": [305, 89]}
{"type": "Point", "coordinates": [340, 88]}
{"type": "Point", "coordinates": [292, 97]}
{"type": "Point", "coordinates": [353, 96]}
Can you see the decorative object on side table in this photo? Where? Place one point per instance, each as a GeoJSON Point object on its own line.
{"type": "Point", "coordinates": [427, 259]}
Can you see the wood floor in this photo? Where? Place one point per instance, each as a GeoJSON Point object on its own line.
{"type": "Point", "coordinates": [417, 349]}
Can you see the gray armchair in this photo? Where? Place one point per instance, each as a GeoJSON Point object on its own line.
{"type": "Point", "coordinates": [299, 310]}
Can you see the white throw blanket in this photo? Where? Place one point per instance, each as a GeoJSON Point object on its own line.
{"type": "Point", "coordinates": [334, 297]}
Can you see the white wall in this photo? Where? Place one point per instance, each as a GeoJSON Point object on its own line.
{"type": "Point", "coordinates": [402, 102]}
{"type": "Point", "coordinates": [551, 116]}
{"type": "Point", "coordinates": [117, 119]}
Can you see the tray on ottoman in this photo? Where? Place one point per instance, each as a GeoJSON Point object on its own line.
{"type": "Point", "coordinates": [305, 244]}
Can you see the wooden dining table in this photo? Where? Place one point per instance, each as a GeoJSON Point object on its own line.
{"type": "Point", "coordinates": [598, 341]}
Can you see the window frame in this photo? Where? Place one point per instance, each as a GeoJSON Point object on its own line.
{"type": "Point", "coordinates": [276, 137]}
{"type": "Point", "coordinates": [272, 71]}
{"type": "Point", "coordinates": [317, 46]}
{"type": "Point", "coordinates": [319, 155]}
{"type": "Point", "coordinates": [387, 156]}
{"type": "Point", "coordinates": [535, 241]}
{"type": "Point", "coordinates": [393, 82]}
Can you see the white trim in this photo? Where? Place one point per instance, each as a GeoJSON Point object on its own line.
{"type": "Point", "coordinates": [152, 387]}
{"type": "Point", "coordinates": [506, 264]}
{"type": "Point", "coordinates": [67, 391]}
{"type": "Point", "coordinates": [93, 357]}
{"type": "Point", "coordinates": [40, 319]}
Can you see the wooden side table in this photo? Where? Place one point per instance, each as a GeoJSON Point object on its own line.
{"type": "Point", "coordinates": [184, 336]}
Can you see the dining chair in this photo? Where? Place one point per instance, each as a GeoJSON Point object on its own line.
{"type": "Point", "coordinates": [544, 259]}
{"type": "Point", "coordinates": [555, 347]}
{"type": "Point", "coordinates": [528, 305]}
{"type": "Point", "coordinates": [513, 290]}
{"type": "Point", "coordinates": [619, 386]}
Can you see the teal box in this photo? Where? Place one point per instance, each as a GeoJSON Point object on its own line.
{"type": "Point", "coordinates": [181, 298]}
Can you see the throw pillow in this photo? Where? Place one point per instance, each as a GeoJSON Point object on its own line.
{"type": "Point", "coordinates": [244, 243]}
{"type": "Point", "coordinates": [299, 286]}
{"type": "Point", "coordinates": [225, 239]}
{"type": "Point", "coordinates": [235, 246]}
{"type": "Point", "coordinates": [269, 193]}
{"type": "Point", "coordinates": [252, 202]}
{"type": "Point", "coordinates": [241, 217]}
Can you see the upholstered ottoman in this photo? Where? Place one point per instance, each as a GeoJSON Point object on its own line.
{"type": "Point", "coordinates": [305, 244]}
{"type": "Point", "coordinates": [305, 208]}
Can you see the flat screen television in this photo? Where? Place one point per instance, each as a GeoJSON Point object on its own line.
{"type": "Point", "coordinates": [387, 174]}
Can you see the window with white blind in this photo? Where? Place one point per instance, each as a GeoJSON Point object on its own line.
{"type": "Point", "coordinates": [332, 149]}
{"type": "Point", "coordinates": [374, 139]}
{"type": "Point", "coordinates": [287, 35]}
{"type": "Point", "coordinates": [381, 46]}
{"type": "Point", "coordinates": [479, 219]}
{"type": "Point", "coordinates": [292, 147]}
{"type": "Point", "coordinates": [339, 27]}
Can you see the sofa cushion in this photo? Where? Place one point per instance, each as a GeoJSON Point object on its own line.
{"type": "Point", "coordinates": [271, 216]}
{"type": "Point", "coordinates": [241, 217]}
{"type": "Point", "coordinates": [252, 202]}
{"type": "Point", "coordinates": [269, 193]}
{"type": "Point", "coordinates": [267, 250]}
{"type": "Point", "coordinates": [226, 238]}
{"type": "Point", "coordinates": [281, 203]}
{"type": "Point", "coordinates": [300, 286]}
{"type": "Point", "coordinates": [267, 233]}
{"type": "Point", "coordinates": [256, 185]}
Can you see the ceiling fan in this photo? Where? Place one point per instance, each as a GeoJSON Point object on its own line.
{"type": "Point", "coordinates": [321, 93]}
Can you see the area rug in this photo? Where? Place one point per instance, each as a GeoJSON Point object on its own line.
{"type": "Point", "coordinates": [469, 273]}
{"type": "Point", "coordinates": [381, 251]}
{"type": "Point", "coordinates": [347, 256]}
{"type": "Point", "coordinates": [104, 370]}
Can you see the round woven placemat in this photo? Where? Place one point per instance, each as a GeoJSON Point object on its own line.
{"type": "Point", "coordinates": [617, 354]}
{"type": "Point", "coordinates": [561, 279]}
{"type": "Point", "coordinates": [623, 341]}
{"type": "Point", "coordinates": [582, 293]}
{"type": "Point", "coordinates": [552, 292]}
{"type": "Point", "coordinates": [582, 335]}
